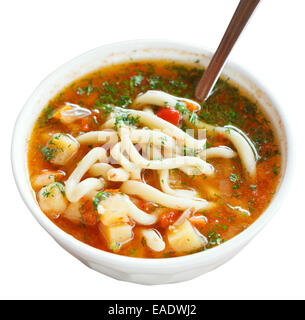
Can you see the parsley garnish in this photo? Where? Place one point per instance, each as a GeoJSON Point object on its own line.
{"type": "Point", "coordinates": [81, 91]}
{"type": "Point", "coordinates": [114, 246]}
{"type": "Point", "coordinates": [181, 107]}
{"type": "Point", "coordinates": [133, 252]}
{"type": "Point", "coordinates": [99, 197]}
{"type": "Point", "coordinates": [126, 118]}
{"type": "Point", "coordinates": [275, 169]}
{"type": "Point", "coordinates": [48, 153]}
{"type": "Point", "coordinates": [104, 107]}
{"type": "Point", "coordinates": [50, 187]}
{"type": "Point", "coordinates": [136, 80]}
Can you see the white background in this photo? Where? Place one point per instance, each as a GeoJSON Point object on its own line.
{"type": "Point", "coordinates": [38, 36]}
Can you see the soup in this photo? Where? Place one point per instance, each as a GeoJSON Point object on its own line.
{"type": "Point", "coordinates": [126, 160]}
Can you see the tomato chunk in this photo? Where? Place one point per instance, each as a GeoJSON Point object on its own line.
{"type": "Point", "coordinates": [168, 218]}
{"type": "Point", "coordinates": [169, 114]}
{"type": "Point", "coordinates": [85, 124]}
{"type": "Point", "coordinates": [89, 215]}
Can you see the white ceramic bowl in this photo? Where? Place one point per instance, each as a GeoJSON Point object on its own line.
{"type": "Point", "coordinates": [143, 271]}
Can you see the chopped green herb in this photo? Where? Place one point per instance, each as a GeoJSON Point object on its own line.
{"type": "Point", "coordinates": [80, 91]}
{"type": "Point", "coordinates": [136, 80]}
{"type": "Point", "coordinates": [48, 153]}
{"type": "Point", "coordinates": [99, 197]}
{"type": "Point", "coordinates": [104, 107]}
{"type": "Point", "coordinates": [133, 252]}
{"type": "Point", "coordinates": [114, 246]}
{"type": "Point", "coordinates": [214, 238]}
{"type": "Point", "coordinates": [181, 107]}
{"type": "Point", "coordinates": [193, 117]}
{"type": "Point", "coordinates": [126, 118]}
{"type": "Point", "coordinates": [275, 169]}
{"type": "Point", "coordinates": [233, 177]}
{"type": "Point", "coordinates": [89, 89]}
{"type": "Point", "coordinates": [47, 191]}
{"type": "Point", "coordinates": [95, 120]}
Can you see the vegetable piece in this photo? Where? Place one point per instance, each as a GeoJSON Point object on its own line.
{"type": "Point", "coordinates": [89, 215]}
{"type": "Point", "coordinates": [199, 221]}
{"type": "Point", "coordinates": [116, 235]}
{"type": "Point", "coordinates": [99, 197]}
{"type": "Point", "coordinates": [168, 218]}
{"type": "Point", "coordinates": [83, 210]}
{"type": "Point", "coordinates": [70, 113]}
{"type": "Point", "coordinates": [185, 238]}
{"type": "Point", "coordinates": [52, 200]}
{"type": "Point", "coordinates": [85, 124]}
{"type": "Point", "coordinates": [60, 149]}
{"type": "Point", "coordinates": [46, 177]}
{"type": "Point", "coordinates": [170, 115]}
{"type": "Point", "coordinates": [191, 106]}
{"type": "Point", "coordinates": [114, 211]}
{"type": "Point", "coordinates": [72, 212]}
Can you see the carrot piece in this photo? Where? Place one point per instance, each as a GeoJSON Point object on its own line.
{"type": "Point", "coordinates": [112, 190]}
{"type": "Point", "coordinates": [191, 107]}
{"type": "Point", "coordinates": [58, 115]}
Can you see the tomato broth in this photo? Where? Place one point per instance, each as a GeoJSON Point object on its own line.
{"type": "Point", "coordinates": [238, 199]}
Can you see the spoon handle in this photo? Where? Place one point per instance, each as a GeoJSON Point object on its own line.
{"type": "Point", "coordinates": [239, 20]}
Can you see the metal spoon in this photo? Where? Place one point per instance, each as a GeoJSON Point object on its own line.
{"type": "Point", "coordinates": [240, 18]}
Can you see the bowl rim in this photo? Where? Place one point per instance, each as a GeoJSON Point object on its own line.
{"type": "Point", "coordinates": [86, 251]}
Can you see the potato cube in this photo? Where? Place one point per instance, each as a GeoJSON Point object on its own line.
{"type": "Point", "coordinates": [116, 235]}
{"type": "Point", "coordinates": [185, 238]}
{"type": "Point", "coordinates": [73, 212]}
{"type": "Point", "coordinates": [51, 199]}
{"type": "Point", "coordinates": [115, 211]}
{"type": "Point", "coordinates": [60, 149]}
